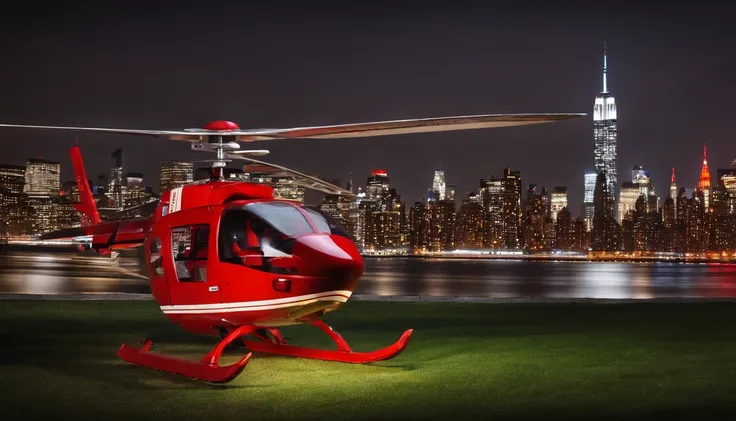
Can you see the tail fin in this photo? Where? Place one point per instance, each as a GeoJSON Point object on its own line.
{"type": "Point", "coordinates": [86, 205]}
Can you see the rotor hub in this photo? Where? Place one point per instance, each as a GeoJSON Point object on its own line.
{"type": "Point", "coordinates": [219, 143]}
{"type": "Point", "coordinates": [220, 125]}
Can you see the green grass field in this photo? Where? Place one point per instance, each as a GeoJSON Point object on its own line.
{"type": "Point", "coordinates": [499, 361]}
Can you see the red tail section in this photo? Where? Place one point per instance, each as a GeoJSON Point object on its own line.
{"type": "Point", "coordinates": [106, 236]}
{"type": "Point", "coordinates": [86, 205]}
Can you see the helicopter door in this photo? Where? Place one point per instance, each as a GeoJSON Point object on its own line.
{"type": "Point", "coordinates": [190, 252]}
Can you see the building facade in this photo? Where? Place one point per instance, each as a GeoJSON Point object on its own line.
{"type": "Point", "coordinates": [175, 174]}
{"type": "Point", "coordinates": [558, 201]}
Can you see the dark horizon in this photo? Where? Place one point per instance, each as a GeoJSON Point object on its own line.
{"type": "Point", "coordinates": [117, 66]}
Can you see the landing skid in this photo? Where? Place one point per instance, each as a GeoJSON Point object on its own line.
{"type": "Point", "coordinates": [344, 353]}
{"type": "Point", "coordinates": [206, 369]}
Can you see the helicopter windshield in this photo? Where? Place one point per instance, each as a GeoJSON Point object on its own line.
{"type": "Point", "coordinates": [257, 232]}
{"type": "Point", "coordinates": [324, 222]}
{"type": "Point", "coordinates": [282, 216]}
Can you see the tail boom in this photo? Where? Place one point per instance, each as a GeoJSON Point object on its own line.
{"type": "Point", "coordinates": [107, 236]}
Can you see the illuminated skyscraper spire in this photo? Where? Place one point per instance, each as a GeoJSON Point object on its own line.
{"type": "Point", "coordinates": [605, 68]}
{"type": "Point", "coordinates": [605, 133]}
{"type": "Point", "coordinates": [704, 182]}
{"type": "Point", "coordinates": [673, 184]}
{"type": "Point", "coordinates": [673, 187]}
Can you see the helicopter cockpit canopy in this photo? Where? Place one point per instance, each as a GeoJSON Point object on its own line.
{"type": "Point", "coordinates": [262, 233]}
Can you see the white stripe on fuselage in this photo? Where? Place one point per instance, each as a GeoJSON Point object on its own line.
{"type": "Point", "coordinates": [340, 296]}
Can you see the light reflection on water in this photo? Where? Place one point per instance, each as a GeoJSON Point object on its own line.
{"type": "Point", "coordinates": [524, 279]}
{"type": "Point", "coordinates": [38, 283]}
{"type": "Point", "coordinates": [603, 280]}
{"type": "Point", "coordinates": [384, 284]}
{"type": "Point", "coordinates": [39, 273]}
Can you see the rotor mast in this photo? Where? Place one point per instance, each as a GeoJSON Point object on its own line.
{"type": "Point", "coordinates": [219, 141]}
{"type": "Point", "coordinates": [217, 167]}
{"type": "Point", "coordinates": [220, 144]}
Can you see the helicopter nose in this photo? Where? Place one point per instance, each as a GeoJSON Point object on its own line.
{"type": "Point", "coordinates": [330, 254]}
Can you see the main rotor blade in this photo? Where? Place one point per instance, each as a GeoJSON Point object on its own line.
{"type": "Point", "coordinates": [253, 152]}
{"type": "Point", "coordinates": [306, 181]}
{"type": "Point", "coordinates": [378, 128]}
{"type": "Point", "coordinates": [171, 134]}
{"type": "Point", "coordinates": [395, 127]}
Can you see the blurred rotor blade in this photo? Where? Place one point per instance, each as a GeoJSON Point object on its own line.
{"type": "Point", "coordinates": [395, 127]}
{"type": "Point", "coordinates": [300, 179]}
{"type": "Point", "coordinates": [171, 134]}
{"type": "Point", "coordinates": [378, 128]}
{"type": "Point", "coordinates": [209, 161]}
{"type": "Point", "coordinates": [253, 152]}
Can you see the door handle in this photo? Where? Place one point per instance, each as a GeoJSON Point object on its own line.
{"type": "Point", "coordinates": [214, 289]}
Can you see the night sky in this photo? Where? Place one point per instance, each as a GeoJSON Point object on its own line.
{"type": "Point", "coordinates": [672, 72]}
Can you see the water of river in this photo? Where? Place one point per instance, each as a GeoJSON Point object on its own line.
{"type": "Point", "coordinates": [54, 271]}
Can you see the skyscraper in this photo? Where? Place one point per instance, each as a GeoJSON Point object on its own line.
{"type": "Point", "coordinates": [704, 182]}
{"type": "Point", "coordinates": [175, 174]}
{"type": "Point", "coordinates": [469, 225]}
{"type": "Point", "coordinates": [558, 201]}
{"type": "Point", "coordinates": [115, 189]}
{"type": "Point", "coordinates": [377, 185]}
{"type": "Point", "coordinates": [450, 192]}
{"type": "Point", "coordinates": [640, 176]}
{"type": "Point", "coordinates": [605, 134]}
{"type": "Point", "coordinates": [588, 203]}
{"type": "Point", "coordinates": [727, 177]}
{"type": "Point", "coordinates": [629, 194]}
{"type": "Point", "coordinates": [42, 177]}
{"type": "Point", "coordinates": [491, 191]}
{"type": "Point", "coordinates": [438, 184]}
{"type": "Point", "coordinates": [512, 215]}
{"type": "Point", "coordinates": [673, 188]}
{"type": "Point", "coordinates": [12, 178]}
{"type": "Point", "coordinates": [13, 202]}
{"type": "Point", "coordinates": [284, 187]}
{"type": "Point", "coordinates": [604, 236]}
{"type": "Point", "coordinates": [46, 210]}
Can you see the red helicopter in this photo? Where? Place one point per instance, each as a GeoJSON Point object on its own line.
{"type": "Point", "coordinates": [227, 258]}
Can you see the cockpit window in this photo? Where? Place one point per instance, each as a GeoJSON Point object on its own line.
{"type": "Point", "coordinates": [324, 222]}
{"type": "Point", "coordinates": [282, 216]}
{"type": "Point", "coordinates": [261, 235]}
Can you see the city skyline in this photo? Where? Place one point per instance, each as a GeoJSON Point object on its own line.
{"type": "Point", "coordinates": [153, 181]}
{"type": "Point", "coordinates": [34, 201]}
{"type": "Point", "coordinates": [668, 84]}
